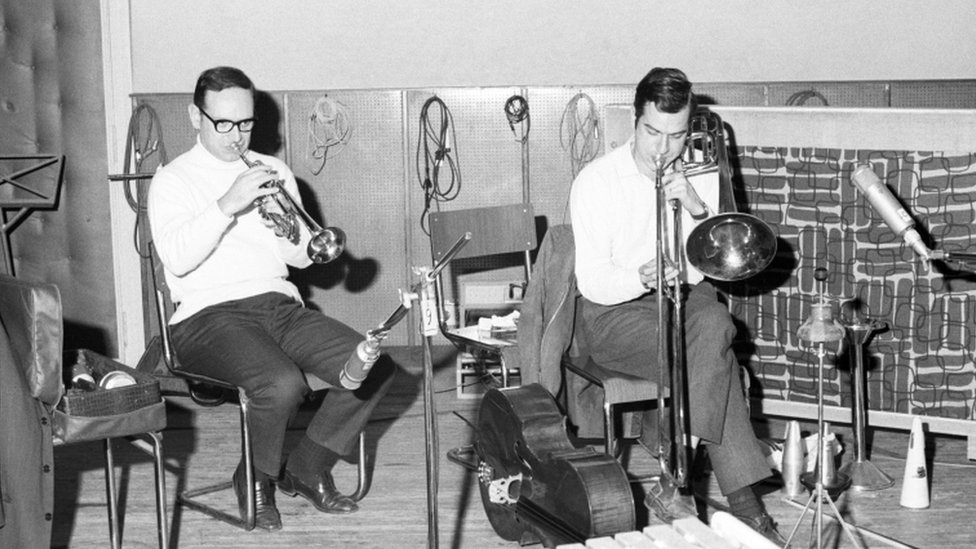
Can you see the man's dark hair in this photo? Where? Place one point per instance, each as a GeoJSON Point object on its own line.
{"type": "Point", "coordinates": [220, 78]}
{"type": "Point", "coordinates": [668, 89]}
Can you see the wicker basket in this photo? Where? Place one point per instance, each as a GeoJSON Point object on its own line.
{"type": "Point", "coordinates": [105, 402]}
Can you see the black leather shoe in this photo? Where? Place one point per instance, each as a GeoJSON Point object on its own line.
{"type": "Point", "coordinates": [321, 492]}
{"type": "Point", "coordinates": [667, 502]}
{"type": "Point", "coordinates": [266, 514]}
{"type": "Point", "coordinates": [763, 523]}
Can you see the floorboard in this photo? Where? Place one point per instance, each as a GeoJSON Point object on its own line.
{"type": "Point", "coordinates": [202, 446]}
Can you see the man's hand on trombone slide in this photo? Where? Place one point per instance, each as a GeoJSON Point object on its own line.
{"type": "Point", "coordinates": [677, 187]}
{"type": "Point", "coordinates": [648, 274]}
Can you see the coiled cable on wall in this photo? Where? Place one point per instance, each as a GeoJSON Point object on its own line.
{"type": "Point", "coordinates": [144, 139]}
{"type": "Point", "coordinates": [800, 98]}
{"type": "Point", "coordinates": [579, 131]}
{"type": "Point", "coordinates": [434, 147]}
{"type": "Point", "coordinates": [517, 113]}
{"type": "Point", "coordinates": [329, 129]}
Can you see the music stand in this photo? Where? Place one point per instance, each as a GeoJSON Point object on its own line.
{"type": "Point", "coordinates": [22, 196]}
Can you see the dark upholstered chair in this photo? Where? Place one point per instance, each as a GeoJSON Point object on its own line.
{"type": "Point", "coordinates": [31, 357]}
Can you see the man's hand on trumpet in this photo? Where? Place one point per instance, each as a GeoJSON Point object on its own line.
{"type": "Point", "coordinates": [249, 186]}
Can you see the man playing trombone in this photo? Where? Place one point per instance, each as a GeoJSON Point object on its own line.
{"type": "Point", "coordinates": [614, 211]}
{"type": "Point", "coordinates": [226, 256]}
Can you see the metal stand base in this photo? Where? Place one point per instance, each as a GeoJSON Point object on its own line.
{"type": "Point", "coordinates": [838, 484]}
{"type": "Point", "coordinates": [865, 476]}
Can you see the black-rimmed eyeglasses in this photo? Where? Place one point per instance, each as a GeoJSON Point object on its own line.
{"type": "Point", "coordinates": [225, 126]}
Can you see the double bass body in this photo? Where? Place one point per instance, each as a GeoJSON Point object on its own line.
{"type": "Point", "coordinates": [535, 485]}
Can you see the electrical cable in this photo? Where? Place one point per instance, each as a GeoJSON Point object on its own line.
{"type": "Point", "coordinates": [517, 112]}
{"type": "Point", "coordinates": [435, 139]}
{"type": "Point", "coordinates": [328, 128]}
{"type": "Point", "coordinates": [138, 149]}
{"type": "Point", "coordinates": [799, 98]}
{"type": "Point", "coordinates": [579, 132]}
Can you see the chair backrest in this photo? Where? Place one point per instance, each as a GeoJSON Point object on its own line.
{"type": "Point", "coordinates": [163, 306]}
{"type": "Point", "coordinates": [495, 230]}
{"type": "Point", "coordinates": [32, 317]}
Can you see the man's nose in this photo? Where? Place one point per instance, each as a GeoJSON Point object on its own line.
{"type": "Point", "coordinates": [663, 147]}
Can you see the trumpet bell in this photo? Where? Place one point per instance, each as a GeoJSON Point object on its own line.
{"type": "Point", "coordinates": [731, 246]}
{"type": "Point", "coordinates": [326, 245]}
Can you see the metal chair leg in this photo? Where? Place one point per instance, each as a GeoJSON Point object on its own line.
{"type": "Point", "coordinates": [162, 525]}
{"type": "Point", "coordinates": [610, 431]}
{"type": "Point", "coordinates": [187, 498]}
{"type": "Point", "coordinates": [362, 487]}
{"type": "Point", "coordinates": [156, 451]}
{"type": "Point", "coordinates": [113, 510]}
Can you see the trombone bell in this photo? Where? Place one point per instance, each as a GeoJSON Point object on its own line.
{"type": "Point", "coordinates": [731, 246]}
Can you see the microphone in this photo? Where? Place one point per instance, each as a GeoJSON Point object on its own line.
{"type": "Point", "coordinates": [362, 359]}
{"type": "Point", "coordinates": [894, 215]}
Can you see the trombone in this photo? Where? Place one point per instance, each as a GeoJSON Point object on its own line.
{"type": "Point", "coordinates": [727, 246]}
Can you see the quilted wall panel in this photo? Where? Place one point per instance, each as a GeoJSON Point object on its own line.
{"type": "Point", "coordinates": [51, 102]}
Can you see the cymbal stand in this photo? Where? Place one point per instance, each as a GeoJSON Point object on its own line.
{"type": "Point", "coordinates": [816, 332]}
{"type": "Point", "coordinates": [864, 475]}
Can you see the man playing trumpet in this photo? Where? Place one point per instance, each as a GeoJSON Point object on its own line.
{"type": "Point", "coordinates": [613, 206]}
{"type": "Point", "coordinates": [238, 317]}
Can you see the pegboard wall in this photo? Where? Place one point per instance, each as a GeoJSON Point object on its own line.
{"type": "Point", "coordinates": [373, 188]}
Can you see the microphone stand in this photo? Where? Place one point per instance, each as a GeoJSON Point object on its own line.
{"type": "Point", "coordinates": [814, 334]}
{"type": "Point", "coordinates": [960, 257]}
{"type": "Point", "coordinates": [423, 293]}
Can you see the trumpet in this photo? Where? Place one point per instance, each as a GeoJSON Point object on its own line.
{"type": "Point", "coordinates": [727, 246]}
{"type": "Point", "coordinates": [285, 214]}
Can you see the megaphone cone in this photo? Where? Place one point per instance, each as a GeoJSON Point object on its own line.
{"type": "Point", "coordinates": [793, 461]}
{"type": "Point", "coordinates": [825, 471]}
{"type": "Point", "coordinates": [915, 486]}
{"type": "Point", "coordinates": [828, 469]}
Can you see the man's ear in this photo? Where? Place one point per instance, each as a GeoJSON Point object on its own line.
{"type": "Point", "coordinates": [195, 115]}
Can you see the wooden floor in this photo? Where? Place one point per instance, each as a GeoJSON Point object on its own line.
{"type": "Point", "coordinates": [201, 446]}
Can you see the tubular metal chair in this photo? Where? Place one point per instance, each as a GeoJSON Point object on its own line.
{"type": "Point", "coordinates": [196, 382]}
{"type": "Point", "coordinates": [496, 230]}
{"type": "Point", "coordinates": [591, 396]}
{"type": "Point", "coordinates": [618, 390]}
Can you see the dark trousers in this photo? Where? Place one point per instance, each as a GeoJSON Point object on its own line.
{"type": "Point", "coordinates": [266, 344]}
{"type": "Point", "coordinates": [624, 337]}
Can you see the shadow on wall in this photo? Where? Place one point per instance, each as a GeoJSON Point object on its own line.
{"type": "Point", "coordinates": [85, 336]}
{"type": "Point", "coordinates": [265, 137]}
{"type": "Point", "coordinates": [356, 274]}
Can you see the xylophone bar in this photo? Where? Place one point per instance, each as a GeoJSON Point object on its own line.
{"type": "Point", "coordinates": [726, 532]}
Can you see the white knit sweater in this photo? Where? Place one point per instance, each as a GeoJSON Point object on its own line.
{"type": "Point", "coordinates": [210, 258]}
